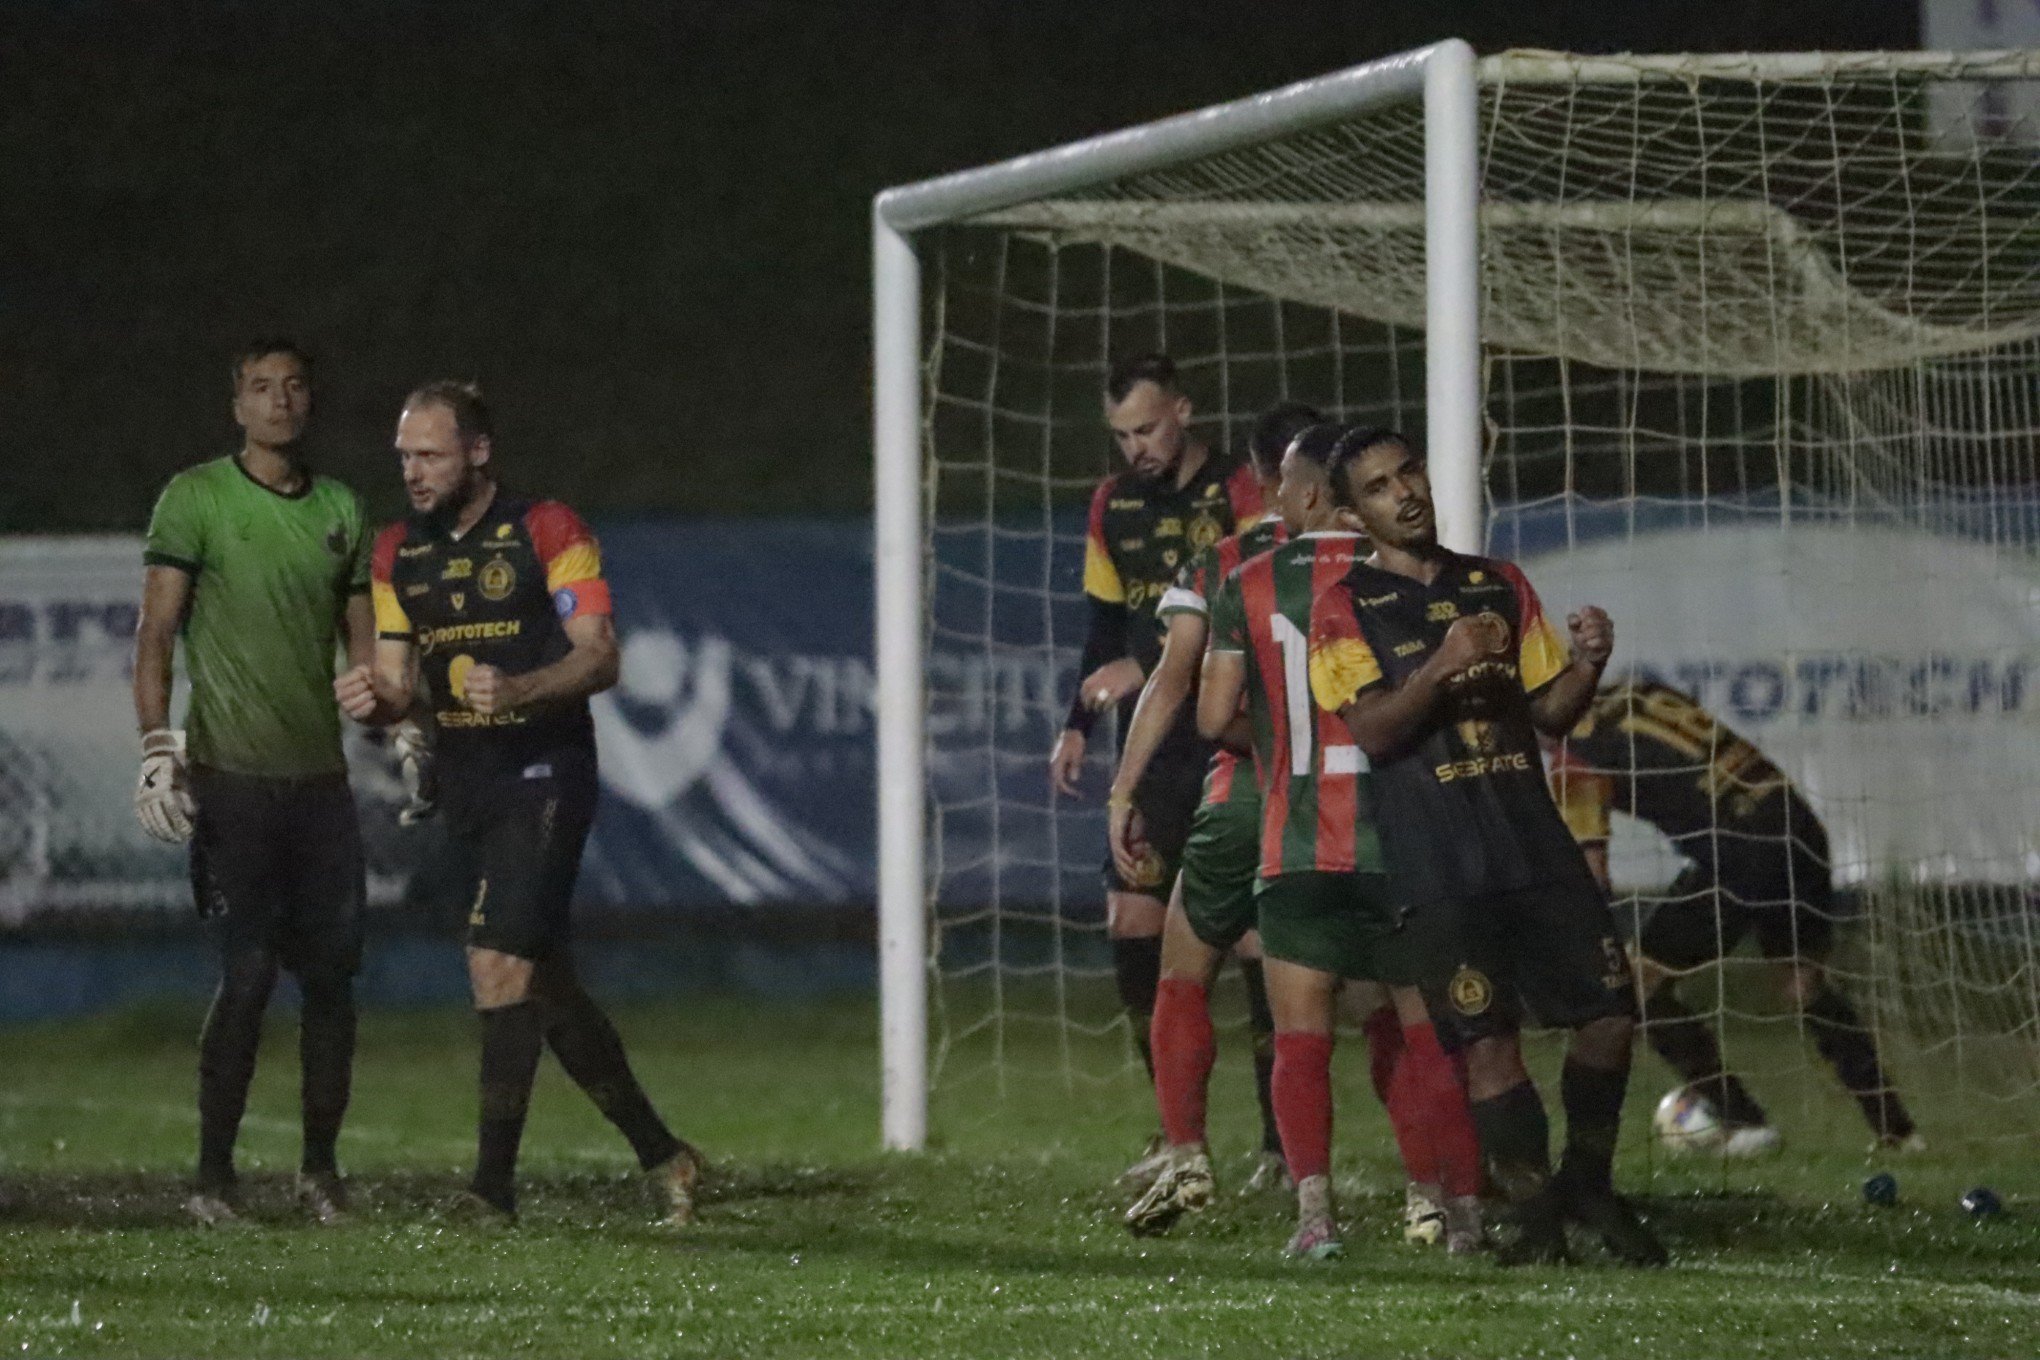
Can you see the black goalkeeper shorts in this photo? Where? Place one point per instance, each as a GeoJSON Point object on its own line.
{"type": "Point", "coordinates": [1784, 899]}
{"type": "Point", "coordinates": [523, 831]}
{"type": "Point", "coordinates": [277, 864]}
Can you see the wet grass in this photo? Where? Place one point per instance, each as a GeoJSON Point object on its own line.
{"type": "Point", "coordinates": [1003, 1242]}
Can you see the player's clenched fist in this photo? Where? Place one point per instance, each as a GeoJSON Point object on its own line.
{"type": "Point", "coordinates": [489, 691]}
{"type": "Point", "coordinates": [1593, 635]}
{"type": "Point", "coordinates": [355, 690]}
{"type": "Point", "coordinates": [1465, 642]}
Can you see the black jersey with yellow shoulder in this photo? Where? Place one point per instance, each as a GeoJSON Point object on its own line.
{"type": "Point", "coordinates": [1464, 812]}
{"type": "Point", "coordinates": [1649, 750]}
{"type": "Point", "coordinates": [498, 595]}
{"type": "Point", "coordinates": [1144, 531]}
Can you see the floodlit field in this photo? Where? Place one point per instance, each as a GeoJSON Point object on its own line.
{"type": "Point", "coordinates": [1003, 1243]}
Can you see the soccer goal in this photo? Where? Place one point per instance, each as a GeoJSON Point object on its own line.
{"type": "Point", "coordinates": [1744, 348]}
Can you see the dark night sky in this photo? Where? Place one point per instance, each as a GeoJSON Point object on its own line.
{"type": "Point", "coordinates": [642, 226]}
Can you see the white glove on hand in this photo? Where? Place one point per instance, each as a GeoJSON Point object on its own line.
{"type": "Point", "coordinates": [162, 802]}
{"type": "Point", "coordinates": [414, 765]}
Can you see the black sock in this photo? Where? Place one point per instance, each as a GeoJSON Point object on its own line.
{"type": "Point", "coordinates": [1137, 965]}
{"type": "Point", "coordinates": [1593, 1121]}
{"type": "Point", "coordinates": [1687, 1045]}
{"type": "Point", "coordinates": [326, 1061]}
{"type": "Point", "coordinates": [1261, 1023]}
{"type": "Point", "coordinates": [1515, 1137]}
{"type": "Point", "coordinates": [588, 1046]}
{"type": "Point", "coordinates": [510, 1047]}
{"type": "Point", "coordinates": [226, 1059]}
{"type": "Point", "coordinates": [1849, 1047]}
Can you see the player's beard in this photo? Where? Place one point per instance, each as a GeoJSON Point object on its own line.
{"type": "Point", "coordinates": [446, 512]}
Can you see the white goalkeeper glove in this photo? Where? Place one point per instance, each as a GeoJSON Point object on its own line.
{"type": "Point", "coordinates": [162, 800]}
{"type": "Point", "coordinates": [414, 765]}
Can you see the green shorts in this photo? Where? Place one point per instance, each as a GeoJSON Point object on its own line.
{"type": "Point", "coordinates": [1220, 863]}
{"type": "Point", "coordinates": [1346, 924]}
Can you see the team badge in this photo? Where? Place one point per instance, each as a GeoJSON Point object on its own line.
{"type": "Point", "coordinates": [1204, 531]}
{"type": "Point", "coordinates": [1495, 631]}
{"type": "Point", "coordinates": [1470, 990]}
{"type": "Point", "coordinates": [497, 579]}
{"type": "Point", "coordinates": [1148, 873]}
{"type": "Point", "coordinates": [336, 540]}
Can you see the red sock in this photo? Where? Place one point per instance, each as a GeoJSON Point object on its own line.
{"type": "Point", "coordinates": [1430, 1090]}
{"type": "Point", "coordinates": [1384, 1046]}
{"type": "Point", "coordinates": [1302, 1089]}
{"type": "Point", "coordinates": [1180, 1036]}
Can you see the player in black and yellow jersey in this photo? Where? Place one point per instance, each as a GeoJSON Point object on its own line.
{"type": "Point", "coordinates": [500, 603]}
{"type": "Point", "coordinates": [1445, 669]}
{"type": "Point", "coordinates": [1757, 866]}
{"type": "Point", "coordinates": [1176, 497]}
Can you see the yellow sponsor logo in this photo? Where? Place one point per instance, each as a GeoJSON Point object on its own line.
{"type": "Point", "coordinates": [1122, 503]}
{"type": "Point", "coordinates": [1375, 601]}
{"type": "Point", "coordinates": [1470, 991]}
{"type": "Point", "coordinates": [410, 591]}
{"type": "Point", "coordinates": [459, 569]}
{"type": "Point", "coordinates": [1441, 611]}
{"type": "Point", "coordinates": [415, 550]}
{"type": "Point", "coordinates": [1476, 577]}
{"type": "Point", "coordinates": [459, 599]}
{"type": "Point", "coordinates": [1169, 526]}
{"type": "Point", "coordinates": [464, 717]}
{"type": "Point", "coordinates": [505, 530]}
{"type": "Point", "coordinates": [457, 675]}
{"type": "Point", "coordinates": [497, 580]}
{"type": "Point", "coordinates": [486, 631]}
{"type": "Point", "coordinates": [1410, 648]}
{"type": "Point", "coordinates": [1480, 767]}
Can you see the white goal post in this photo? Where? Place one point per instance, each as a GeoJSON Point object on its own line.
{"type": "Point", "coordinates": [1442, 77]}
{"type": "Point", "coordinates": [1839, 243]}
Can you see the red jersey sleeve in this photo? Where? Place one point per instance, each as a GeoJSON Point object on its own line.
{"type": "Point", "coordinates": [1101, 574]}
{"type": "Point", "coordinates": [1243, 488]}
{"type": "Point", "coordinates": [1544, 653]}
{"type": "Point", "coordinates": [1342, 666]}
{"type": "Point", "coordinates": [572, 559]}
{"type": "Point", "coordinates": [390, 620]}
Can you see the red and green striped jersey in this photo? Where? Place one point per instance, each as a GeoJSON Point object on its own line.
{"type": "Point", "coordinates": [1317, 797]}
{"type": "Point", "coordinates": [1195, 584]}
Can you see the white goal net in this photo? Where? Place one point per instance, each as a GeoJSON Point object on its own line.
{"type": "Point", "coordinates": [1759, 339]}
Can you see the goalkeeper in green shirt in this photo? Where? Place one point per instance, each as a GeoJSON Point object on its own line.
{"type": "Point", "coordinates": [260, 566]}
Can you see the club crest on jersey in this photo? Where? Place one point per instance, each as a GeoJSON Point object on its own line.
{"type": "Point", "coordinates": [1204, 531]}
{"type": "Point", "coordinates": [1470, 991]}
{"type": "Point", "coordinates": [336, 540]}
{"type": "Point", "coordinates": [497, 579]}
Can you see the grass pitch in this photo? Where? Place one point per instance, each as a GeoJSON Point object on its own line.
{"type": "Point", "coordinates": [1005, 1242]}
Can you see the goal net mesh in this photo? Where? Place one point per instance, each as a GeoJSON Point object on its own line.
{"type": "Point", "coordinates": [1760, 346]}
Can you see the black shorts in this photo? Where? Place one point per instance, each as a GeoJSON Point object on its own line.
{"type": "Point", "coordinates": [1166, 799]}
{"type": "Point", "coordinates": [1547, 955]}
{"type": "Point", "coordinates": [1785, 900]}
{"type": "Point", "coordinates": [277, 863]}
{"type": "Point", "coordinates": [523, 830]}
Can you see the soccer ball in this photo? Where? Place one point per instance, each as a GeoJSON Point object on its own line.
{"type": "Point", "coordinates": [1686, 1121]}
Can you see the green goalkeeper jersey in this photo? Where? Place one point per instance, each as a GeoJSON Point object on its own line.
{"type": "Point", "coordinates": [271, 575]}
